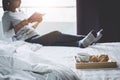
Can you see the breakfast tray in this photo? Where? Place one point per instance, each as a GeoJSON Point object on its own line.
{"type": "Point", "coordinates": [89, 65]}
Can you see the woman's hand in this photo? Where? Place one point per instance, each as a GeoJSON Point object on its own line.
{"type": "Point", "coordinates": [36, 17]}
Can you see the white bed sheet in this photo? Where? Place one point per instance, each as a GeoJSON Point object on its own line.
{"type": "Point", "coordinates": [65, 56]}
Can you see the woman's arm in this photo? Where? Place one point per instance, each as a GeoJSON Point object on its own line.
{"type": "Point", "coordinates": [20, 25]}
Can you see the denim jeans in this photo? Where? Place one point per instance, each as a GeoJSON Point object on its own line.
{"type": "Point", "coordinates": [56, 38]}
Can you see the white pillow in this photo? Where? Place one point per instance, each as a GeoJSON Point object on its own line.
{"type": "Point", "coordinates": [6, 49]}
{"type": "Point", "coordinates": [26, 45]}
{"type": "Point", "coordinates": [14, 63]}
{"type": "Point", "coordinates": [3, 42]}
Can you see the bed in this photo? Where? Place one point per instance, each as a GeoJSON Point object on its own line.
{"type": "Point", "coordinates": [25, 61]}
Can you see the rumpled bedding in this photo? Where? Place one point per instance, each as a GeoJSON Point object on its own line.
{"type": "Point", "coordinates": [18, 61]}
{"type": "Point", "coordinates": [65, 56]}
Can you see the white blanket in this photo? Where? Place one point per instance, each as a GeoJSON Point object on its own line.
{"type": "Point", "coordinates": [18, 61]}
{"type": "Point", "coordinates": [65, 56]}
{"type": "Point", "coordinates": [36, 62]}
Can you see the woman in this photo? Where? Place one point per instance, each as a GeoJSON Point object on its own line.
{"type": "Point", "coordinates": [14, 19]}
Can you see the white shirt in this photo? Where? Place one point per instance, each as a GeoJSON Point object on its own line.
{"type": "Point", "coordinates": [10, 20]}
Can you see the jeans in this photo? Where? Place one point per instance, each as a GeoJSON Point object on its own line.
{"type": "Point", "coordinates": [56, 38]}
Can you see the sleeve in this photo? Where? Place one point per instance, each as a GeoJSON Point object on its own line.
{"type": "Point", "coordinates": [7, 32]}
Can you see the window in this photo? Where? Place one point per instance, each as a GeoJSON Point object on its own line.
{"type": "Point", "coordinates": [55, 10]}
{"type": "Point", "coordinates": [61, 12]}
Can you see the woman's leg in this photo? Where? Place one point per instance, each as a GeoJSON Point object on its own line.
{"type": "Point", "coordinates": [59, 39]}
{"type": "Point", "coordinates": [56, 38]}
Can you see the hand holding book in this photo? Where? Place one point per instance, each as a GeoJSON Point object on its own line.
{"type": "Point", "coordinates": [36, 17]}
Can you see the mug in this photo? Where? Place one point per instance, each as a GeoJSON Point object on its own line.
{"type": "Point", "coordinates": [83, 57]}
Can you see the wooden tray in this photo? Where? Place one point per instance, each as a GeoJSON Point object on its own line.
{"type": "Point", "coordinates": [90, 65]}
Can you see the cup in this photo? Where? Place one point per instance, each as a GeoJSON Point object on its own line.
{"type": "Point", "coordinates": [83, 57]}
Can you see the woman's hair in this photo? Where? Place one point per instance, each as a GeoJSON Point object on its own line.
{"type": "Point", "coordinates": [5, 4]}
